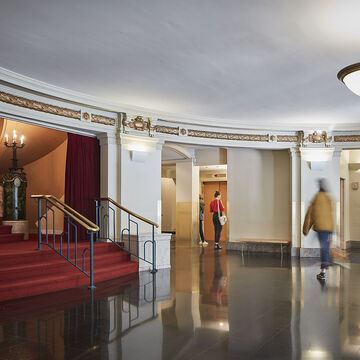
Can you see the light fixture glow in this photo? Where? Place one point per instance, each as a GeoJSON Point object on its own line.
{"type": "Point", "coordinates": [350, 76]}
{"type": "Point", "coordinates": [317, 154]}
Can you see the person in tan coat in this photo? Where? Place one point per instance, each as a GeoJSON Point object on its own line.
{"type": "Point", "coordinates": [319, 216]}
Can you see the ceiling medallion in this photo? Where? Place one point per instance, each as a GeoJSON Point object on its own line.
{"type": "Point", "coordinates": [350, 76]}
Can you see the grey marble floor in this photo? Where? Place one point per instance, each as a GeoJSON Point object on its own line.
{"type": "Point", "coordinates": [211, 305]}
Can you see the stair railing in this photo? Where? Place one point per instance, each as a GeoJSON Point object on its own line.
{"type": "Point", "coordinates": [73, 219]}
{"type": "Point", "coordinates": [106, 213]}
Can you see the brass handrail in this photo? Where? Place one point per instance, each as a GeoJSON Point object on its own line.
{"type": "Point", "coordinates": [66, 209]}
{"type": "Point", "coordinates": [130, 212]}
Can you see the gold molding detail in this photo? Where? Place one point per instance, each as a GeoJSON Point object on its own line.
{"type": "Point", "coordinates": [227, 136]}
{"type": "Point", "coordinates": [315, 138]}
{"type": "Point", "coordinates": [86, 116]}
{"type": "Point", "coordinates": [347, 138]}
{"type": "Point", "coordinates": [167, 130]}
{"type": "Point", "coordinates": [104, 120]}
{"type": "Point", "coordinates": [287, 138]}
{"type": "Point", "coordinates": [39, 106]}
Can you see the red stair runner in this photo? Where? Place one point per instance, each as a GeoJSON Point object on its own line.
{"type": "Point", "coordinates": [25, 271]}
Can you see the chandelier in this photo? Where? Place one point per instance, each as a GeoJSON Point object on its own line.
{"type": "Point", "coordinates": [350, 76]}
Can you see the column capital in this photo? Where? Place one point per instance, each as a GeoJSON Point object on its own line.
{"type": "Point", "coordinates": [108, 139]}
{"type": "Point", "coordinates": [150, 143]}
{"type": "Point", "coordinates": [294, 151]}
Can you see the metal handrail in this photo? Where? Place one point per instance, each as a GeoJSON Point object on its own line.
{"type": "Point", "coordinates": [69, 214]}
{"type": "Point", "coordinates": [103, 221]}
{"type": "Point", "coordinates": [129, 211]}
{"type": "Point", "coordinates": [82, 220]}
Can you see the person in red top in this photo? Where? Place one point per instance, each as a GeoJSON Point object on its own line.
{"type": "Point", "coordinates": [216, 206]}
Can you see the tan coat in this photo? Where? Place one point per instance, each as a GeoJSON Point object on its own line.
{"type": "Point", "coordinates": [319, 214]}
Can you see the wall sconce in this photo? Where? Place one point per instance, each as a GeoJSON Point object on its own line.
{"type": "Point", "coordinates": [138, 156]}
{"type": "Point", "coordinates": [316, 157]}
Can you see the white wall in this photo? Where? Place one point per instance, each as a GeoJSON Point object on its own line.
{"type": "Point", "coordinates": [214, 156]}
{"type": "Point", "coordinates": [354, 205]}
{"type": "Point", "coordinates": [168, 204]}
{"type": "Point", "coordinates": [259, 194]}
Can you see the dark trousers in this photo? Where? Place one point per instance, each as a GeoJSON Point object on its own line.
{"type": "Point", "coordinates": [201, 231]}
{"type": "Point", "coordinates": [217, 227]}
{"type": "Point", "coordinates": [324, 238]}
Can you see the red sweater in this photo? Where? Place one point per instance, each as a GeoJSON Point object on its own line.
{"type": "Point", "coordinates": [214, 206]}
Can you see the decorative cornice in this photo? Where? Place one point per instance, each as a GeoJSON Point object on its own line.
{"type": "Point", "coordinates": [39, 106]}
{"type": "Point", "coordinates": [104, 120]}
{"type": "Point", "coordinates": [315, 138]}
{"type": "Point", "coordinates": [347, 138]}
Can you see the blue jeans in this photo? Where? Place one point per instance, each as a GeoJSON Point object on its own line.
{"type": "Point", "coordinates": [324, 238]}
{"type": "Point", "coordinates": [201, 231]}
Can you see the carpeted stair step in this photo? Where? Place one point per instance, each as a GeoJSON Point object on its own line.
{"type": "Point", "coordinates": [55, 282]}
{"type": "Point", "coordinates": [10, 255]}
{"type": "Point", "coordinates": [57, 265]}
{"type": "Point", "coordinates": [5, 229]}
{"type": "Point", "coordinates": [9, 238]}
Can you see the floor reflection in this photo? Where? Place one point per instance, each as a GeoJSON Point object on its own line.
{"type": "Point", "coordinates": [211, 305]}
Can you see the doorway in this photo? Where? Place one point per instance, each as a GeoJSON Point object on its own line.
{"type": "Point", "coordinates": [342, 206]}
{"type": "Point", "coordinates": [209, 191]}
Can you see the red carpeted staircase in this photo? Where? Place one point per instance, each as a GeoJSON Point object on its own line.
{"type": "Point", "coordinates": [25, 271]}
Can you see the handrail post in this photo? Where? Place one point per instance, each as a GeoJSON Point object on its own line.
{"type": "Point", "coordinates": [97, 218]}
{"type": "Point", "coordinates": [91, 287]}
{"type": "Point", "coordinates": [154, 270]}
{"type": "Point", "coordinates": [39, 224]}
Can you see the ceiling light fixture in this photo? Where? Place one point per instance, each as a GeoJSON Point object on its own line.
{"type": "Point", "coordinates": [350, 76]}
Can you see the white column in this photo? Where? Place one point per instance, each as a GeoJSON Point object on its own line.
{"type": "Point", "coordinates": [140, 179]}
{"type": "Point", "coordinates": [109, 176]}
{"type": "Point", "coordinates": [295, 201]}
{"type": "Point", "coordinates": [109, 165]}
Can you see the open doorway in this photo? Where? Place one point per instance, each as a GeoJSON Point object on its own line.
{"type": "Point", "coordinates": [209, 191]}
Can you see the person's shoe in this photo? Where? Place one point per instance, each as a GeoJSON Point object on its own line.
{"type": "Point", "coordinates": [200, 243]}
{"type": "Point", "coordinates": [217, 247]}
{"type": "Point", "coordinates": [321, 276]}
{"type": "Point", "coordinates": [205, 243]}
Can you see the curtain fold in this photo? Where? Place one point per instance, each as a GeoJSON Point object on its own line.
{"type": "Point", "coordinates": [82, 177]}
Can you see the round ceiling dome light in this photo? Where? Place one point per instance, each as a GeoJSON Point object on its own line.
{"type": "Point", "coordinates": [350, 76]}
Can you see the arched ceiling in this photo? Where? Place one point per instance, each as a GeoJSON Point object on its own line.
{"type": "Point", "coordinates": [39, 141]}
{"type": "Point", "coordinates": [247, 62]}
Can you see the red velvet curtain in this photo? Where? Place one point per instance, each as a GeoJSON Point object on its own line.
{"type": "Point", "coordinates": [82, 177]}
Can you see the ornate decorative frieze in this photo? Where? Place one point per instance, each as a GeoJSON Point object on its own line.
{"type": "Point", "coordinates": [86, 116]}
{"type": "Point", "coordinates": [137, 123]}
{"type": "Point", "coordinates": [39, 106]}
{"type": "Point", "coordinates": [227, 136]}
{"type": "Point", "coordinates": [347, 138]}
{"type": "Point", "coordinates": [287, 138]}
{"type": "Point", "coordinates": [104, 120]}
{"type": "Point", "coordinates": [167, 130]}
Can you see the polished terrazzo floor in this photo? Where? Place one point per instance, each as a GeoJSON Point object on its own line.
{"type": "Point", "coordinates": [211, 305]}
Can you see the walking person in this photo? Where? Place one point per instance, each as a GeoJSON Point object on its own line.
{"type": "Point", "coordinates": [217, 208]}
{"type": "Point", "coordinates": [201, 220]}
{"type": "Point", "coordinates": [319, 216]}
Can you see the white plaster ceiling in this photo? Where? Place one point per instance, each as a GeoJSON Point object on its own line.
{"type": "Point", "coordinates": [248, 62]}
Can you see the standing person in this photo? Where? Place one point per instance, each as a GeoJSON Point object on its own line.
{"type": "Point", "coordinates": [201, 220]}
{"type": "Point", "coordinates": [217, 208]}
{"type": "Point", "coordinates": [320, 216]}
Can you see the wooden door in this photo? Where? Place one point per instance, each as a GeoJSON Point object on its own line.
{"type": "Point", "coordinates": [209, 191]}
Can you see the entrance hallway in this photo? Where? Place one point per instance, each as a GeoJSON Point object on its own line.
{"type": "Point", "coordinates": [208, 306]}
